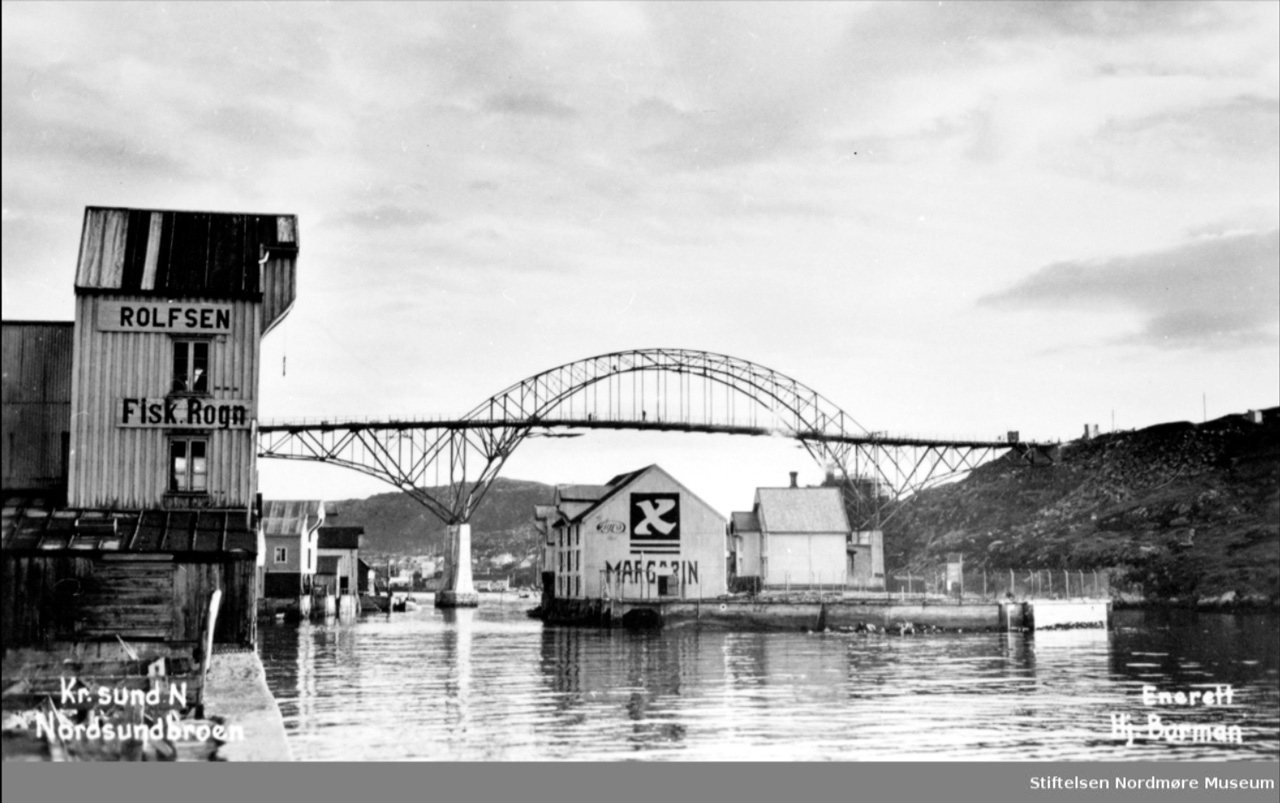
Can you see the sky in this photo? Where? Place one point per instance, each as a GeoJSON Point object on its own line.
{"type": "Point", "coordinates": [950, 219]}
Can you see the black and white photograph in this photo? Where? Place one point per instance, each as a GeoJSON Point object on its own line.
{"type": "Point", "coordinates": [862, 386]}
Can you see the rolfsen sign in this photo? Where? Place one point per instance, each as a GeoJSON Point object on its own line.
{"type": "Point", "coordinates": [164, 316]}
{"type": "Point", "coordinates": [185, 413]}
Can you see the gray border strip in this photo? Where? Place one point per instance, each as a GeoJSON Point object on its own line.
{"type": "Point", "coordinates": [623, 783]}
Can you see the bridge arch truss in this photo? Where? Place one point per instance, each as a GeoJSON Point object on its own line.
{"type": "Point", "coordinates": [449, 464]}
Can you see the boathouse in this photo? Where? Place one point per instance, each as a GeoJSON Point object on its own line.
{"type": "Point", "coordinates": [290, 532]}
{"type": "Point", "coordinates": [640, 536]}
{"type": "Point", "coordinates": [338, 562]}
{"type": "Point", "coordinates": [130, 473]}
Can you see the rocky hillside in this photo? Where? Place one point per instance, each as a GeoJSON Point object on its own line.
{"type": "Point", "coordinates": [1181, 511]}
{"type": "Point", "coordinates": [395, 524]}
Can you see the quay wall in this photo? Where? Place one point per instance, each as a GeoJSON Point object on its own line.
{"type": "Point", "coordinates": [737, 614]}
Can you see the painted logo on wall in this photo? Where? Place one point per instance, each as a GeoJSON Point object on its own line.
{"type": "Point", "coordinates": [655, 523]}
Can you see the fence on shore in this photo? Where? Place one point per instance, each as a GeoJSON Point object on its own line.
{"type": "Point", "coordinates": [997, 584]}
{"type": "Point", "coordinates": [944, 583]}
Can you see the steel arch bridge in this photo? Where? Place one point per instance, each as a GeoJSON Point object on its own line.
{"type": "Point", "coordinates": [674, 390]}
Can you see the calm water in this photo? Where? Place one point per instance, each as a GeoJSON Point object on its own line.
{"type": "Point", "coordinates": [493, 684]}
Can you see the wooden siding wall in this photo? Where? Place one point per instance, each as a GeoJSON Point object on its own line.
{"type": "Point", "coordinates": [127, 467]}
{"type": "Point", "coordinates": [36, 404]}
{"type": "Point", "coordinates": [279, 288]}
{"type": "Point", "coordinates": [50, 598]}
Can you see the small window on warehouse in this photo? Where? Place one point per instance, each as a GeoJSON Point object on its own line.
{"type": "Point", "coordinates": [188, 465]}
{"type": "Point", "coordinates": [191, 366]}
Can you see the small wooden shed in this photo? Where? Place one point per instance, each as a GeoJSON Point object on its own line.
{"type": "Point", "coordinates": [75, 575]}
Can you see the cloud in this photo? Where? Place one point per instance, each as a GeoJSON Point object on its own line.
{"type": "Point", "coordinates": [388, 216]}
{"type": "Point", "coordinates": [1218, 292]}
{"type": "Point", "coordinates": [528, 104]}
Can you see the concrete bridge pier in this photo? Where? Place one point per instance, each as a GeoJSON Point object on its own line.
{"type": "Point", "coordinates": [458, 592]}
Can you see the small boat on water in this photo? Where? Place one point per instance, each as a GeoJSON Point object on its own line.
{"type": "Point", "coordinates": [404, 603]}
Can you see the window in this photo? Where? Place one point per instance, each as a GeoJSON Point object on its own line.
{"type": "Point", "coordinates": [282, 554]}
{"type": "Point", "coordinates": [188, 465]}
{"type": "Point", "coordinates": [190, 366]}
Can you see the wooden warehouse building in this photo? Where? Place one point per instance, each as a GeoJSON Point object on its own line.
{"type": "Point", "coordinates": [130, 477]}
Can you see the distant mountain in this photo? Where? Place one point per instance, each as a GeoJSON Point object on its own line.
{"type": "Point", "coordinates": [1188, 511]}
{"type": "Point", "coordinates": [396, 524]}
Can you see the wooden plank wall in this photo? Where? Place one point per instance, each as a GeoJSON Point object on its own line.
{"type": "Point", "coordinates": [34, 601]}
{"type": "Point", "coordinates": [127, 467]}
{"type": "Point", "coordinates": [36, 403]}
{"type": "Point", "coordinates": [60, 597]}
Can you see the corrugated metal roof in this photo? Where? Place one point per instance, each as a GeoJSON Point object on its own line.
{"type": "Point", "coordinates": [291, 517]}
{"type": "Point", "coordinates": [745, 522]}
{"type": "Point", "coordinates": [340, 537]}
{"type": "Point", "coordinates": [801, 510]}
{"type": "Point", "coordinates": [166, 531]}
{"type": "Point", "coordinates": [623, 479]}
{"type": "Point", "coordinates": [177, 254]}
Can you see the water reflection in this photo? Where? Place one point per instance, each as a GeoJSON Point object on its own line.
{"type": "Point", "coordinates": [490, 683]}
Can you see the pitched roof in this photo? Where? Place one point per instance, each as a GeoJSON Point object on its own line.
{"type": "Point", "coordinates": [165, 531]}
{"type": "Point", "coordinates": [745, 522]}
{"type": "Point", "coordinates": [291, 517]}
{"type": "Point", "coordinates": [801, 510]}
{"type": "Point", "coordinates": [580, 493]}
{"type": "Point", "coordinates": [616, 484]}
{"type": "Point", "coordinates": [339, 537]}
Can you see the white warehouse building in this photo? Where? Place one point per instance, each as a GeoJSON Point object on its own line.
{"type": "Point", "coordinates": [640, 536]}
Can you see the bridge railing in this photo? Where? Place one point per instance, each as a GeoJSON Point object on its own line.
{"type": "Point", "coordinates": [392, 421]}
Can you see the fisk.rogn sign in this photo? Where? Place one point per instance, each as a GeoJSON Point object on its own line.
{"type": "Point", "coordinates": [186, 413]}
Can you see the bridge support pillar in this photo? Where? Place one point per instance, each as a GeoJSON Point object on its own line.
{"type": "Point", "coordinates": [458, 592]}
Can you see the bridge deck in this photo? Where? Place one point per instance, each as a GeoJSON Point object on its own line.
{"type": "Point", "coordinates": [867, 439]}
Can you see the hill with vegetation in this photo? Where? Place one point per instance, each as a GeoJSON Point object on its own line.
{"type": "Point", "coordinates": [1177, 512]}
{"type": "Point", "coordinates": [396, 525]}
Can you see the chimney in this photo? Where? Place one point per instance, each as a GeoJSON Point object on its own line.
{"type": "Point", "coordinates": [793, 478]}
